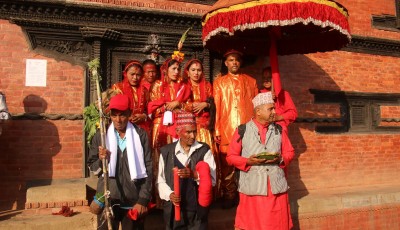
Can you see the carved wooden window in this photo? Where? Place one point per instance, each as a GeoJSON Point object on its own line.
{"type": "Point", "coordinates": [398, 14]}
{"type": "Point", "coordinates": [388, 22]}
{"type": "Point", "coordinates": [359, 115]}
{"type": "Point", "coordinates": [359, 112]}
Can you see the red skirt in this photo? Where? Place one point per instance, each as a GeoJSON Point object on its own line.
{"type": "Point", "coordinates": [264, 212]}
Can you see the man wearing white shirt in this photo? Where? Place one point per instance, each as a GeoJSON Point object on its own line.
{"type": "Point", "coordinates": [185, 154]}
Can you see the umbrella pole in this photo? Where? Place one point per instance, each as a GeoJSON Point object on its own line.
{"type": "Point", "coordinates": [273, 58]}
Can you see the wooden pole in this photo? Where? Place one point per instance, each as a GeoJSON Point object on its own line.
{"type": "Point", "coordinates": [273, 58]}
{"type": "Point", "coordinates": [93, 67]}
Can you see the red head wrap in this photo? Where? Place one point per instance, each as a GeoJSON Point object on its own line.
{"type": "Point", "coordinates": [202, 82]}
{"type": "Point", "coordinates": [132, 63]}
{"type": "Point", "coordinates": [126, 87]}
{"type": "Point", "coordinates": [164, 69]}
{"type": "Point", "coordinates": [187, 66]}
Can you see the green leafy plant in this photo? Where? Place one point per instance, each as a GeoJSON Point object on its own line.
{"type": "Point", "coordinates": [91, 117]}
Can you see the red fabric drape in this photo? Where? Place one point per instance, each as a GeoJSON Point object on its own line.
{"type": "Point", "coordinates": [205, 184]}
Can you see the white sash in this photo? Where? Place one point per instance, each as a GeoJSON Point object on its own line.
{"type": "Point", "coordinates": [134, 152]}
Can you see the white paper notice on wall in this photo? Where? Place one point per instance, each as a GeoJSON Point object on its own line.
{"type": "Point", "coordinates": [36, 72]}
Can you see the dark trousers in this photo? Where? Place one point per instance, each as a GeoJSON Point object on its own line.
{"type": "Point", "coordinates": [228, 180]}
{"type": "Point", "coordinates": [189, 221]}
{"type": "Point", "coordinates": [120, 217]}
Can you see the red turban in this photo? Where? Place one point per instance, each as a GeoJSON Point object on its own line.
{"type": "Point", "coordinates": [119, 102]}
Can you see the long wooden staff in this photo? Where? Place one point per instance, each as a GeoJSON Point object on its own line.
{"type": "Point", "coordinates": [93, 67]}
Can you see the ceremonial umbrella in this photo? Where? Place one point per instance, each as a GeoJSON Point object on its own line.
{"type": "Point", "coordinates": [276, 27]}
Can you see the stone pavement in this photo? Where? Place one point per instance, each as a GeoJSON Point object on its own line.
{"type": "Point", "coordinates": [219, 219]}
{"type": "Point", "coordinates": [17, 221]}
{"type": "Point", "coordinates": [315, 204]}
{"type": "Point", "coordinates": [37, 218]}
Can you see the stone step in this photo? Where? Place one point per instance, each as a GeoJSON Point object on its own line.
{"type": "Point", "coordinates": [57, 193]}
{"type": "Point", "coordinates": [303, 205]}
{"type": "Point", "coordinates": [339, 199]}
{"type": "Point", "coordinates": [219, 219]}
{"type": "Point", "coordinates": [81, 221]}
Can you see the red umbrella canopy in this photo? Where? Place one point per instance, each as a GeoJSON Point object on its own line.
{"type": "Point", "coordinates": [298, 26]}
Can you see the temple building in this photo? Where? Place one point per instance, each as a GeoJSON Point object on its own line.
{"type": "Point", "coordinates": [346, 137]}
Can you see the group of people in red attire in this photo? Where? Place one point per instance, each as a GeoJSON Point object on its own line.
{"type": "Point", "coordinates": [158, 96]}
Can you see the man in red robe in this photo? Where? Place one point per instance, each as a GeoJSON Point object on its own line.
{"type": "Point", "coordinates": [261, 150]}
{"type": "Point", "coordinates": [285, 109]}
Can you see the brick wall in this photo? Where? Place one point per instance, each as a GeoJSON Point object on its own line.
{"type": "Point", "coordinates": [343, 160]}
{"type": "Point", "coordinates": [361, 14]}
{"type": "Point", "coordinates": [390, 111]}
{"type": "Point", "coordinates": [323, 161]}
{"type": "Point", "coordinates": [340, 160]}
{"type": "Point", "coordinates": [37, 149]}
{"type": "Point", "coordinates": [383, 217]}
{"type": "Point", "coordinates": [339, 70]}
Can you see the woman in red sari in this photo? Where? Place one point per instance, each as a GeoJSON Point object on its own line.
{"type": "Point", "coordinates": [201, 103]}
{"type": "Point", "coordinates": [138, 95]}
{"type": "Point", "coordinates": [167, 97]}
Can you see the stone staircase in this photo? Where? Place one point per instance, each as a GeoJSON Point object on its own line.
{"type": "Point", "coordinates": [368, 207]}
{"type": "Point", "coordinates": [44, 194]}
{"type": "Point", "coordinates": [219, 219]}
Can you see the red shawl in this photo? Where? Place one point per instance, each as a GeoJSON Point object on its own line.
{"type": "Point", "coordinates": [182, 94]}
{"type": "Point", "coordinates": [202, 84]}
